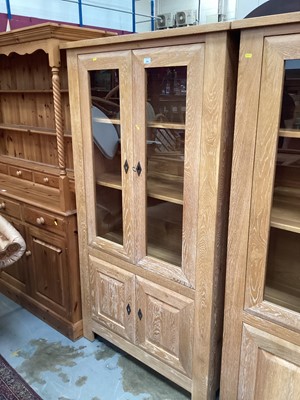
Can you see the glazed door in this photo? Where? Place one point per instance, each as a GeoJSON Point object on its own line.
{"type": "Point", "coordinates": [106, 106]}
{"type": "Point", "coordinates": [167, 89]}
{"type": "Point", "coordinates": [270, 363]}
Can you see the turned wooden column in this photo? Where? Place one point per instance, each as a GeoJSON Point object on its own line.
{"type": "Point", "coordinates": [65, 199]}
{"type": "Point", "coordinates": [58, 120]}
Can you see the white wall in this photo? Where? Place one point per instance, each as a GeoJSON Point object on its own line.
{"type": "Point", "coordinates": [163, 6]}
{"type": "Point", "coordinates": [209, 9]}
{"type": "Point", "coordinates": [244, 7]}
{"type": "Point", "coordinates": [64, 11]}
{"type": "Point", "coordinates": [143, 22]}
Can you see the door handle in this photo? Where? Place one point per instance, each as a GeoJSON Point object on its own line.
{"type": "Point", "coordinates": [140, 314]}
{"type": "Point", "coordinates": [137, 169]}
{"type": "Point", "coordinates": [126, 166]}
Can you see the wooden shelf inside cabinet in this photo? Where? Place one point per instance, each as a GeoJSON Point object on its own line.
{"type": "Point", "coordinates": [165, 189]}
{"type": "Point", "coordinates": [31, 129]}
{"type": "Point", "coordinates": [168, 255]}
{"type": "Point", "coordinates": [286, 209]}
{"type": "Point", "coordinates": [165, 125]}
{"type": "Point", "coordinates": [107, 121]}
{"type": "Point", "coordinates": [157, 187]}
{"type": "Point", "coordinates": [110, 180]}
{"type": "Point", "coordinates": [289, 133]}
{"type": "Point", "coordinates": [282, 298]}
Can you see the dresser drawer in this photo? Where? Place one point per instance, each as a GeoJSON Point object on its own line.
{"type": "Point", "coordinates": [9, 207]}
{"type": "Point", "coordinates": [45, 220]}
{"type": "Point", "coordinates": [3, 168]}
{"type": "Point", "coordinates": [47, 180]}
{"type": "Point", "coordinates": [20, 173]}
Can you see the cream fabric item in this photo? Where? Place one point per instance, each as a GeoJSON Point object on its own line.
{"type": "Point", "coordinates": [12, 245]}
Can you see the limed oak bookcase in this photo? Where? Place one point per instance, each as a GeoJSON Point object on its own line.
{"type": "Point", "coordinates": [152, 123]}
{"type": "Point", "coordinates": [36, 172]}
{"type": "Point", "coordinates": [261, 352]}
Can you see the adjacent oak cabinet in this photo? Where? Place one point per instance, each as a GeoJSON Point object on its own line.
{"type": "Point", "coordinates": [152, 123]}
{"type": "Point", "coordinates": [37, 192]}
{"type": "Point", "coordinates": [261, 352]}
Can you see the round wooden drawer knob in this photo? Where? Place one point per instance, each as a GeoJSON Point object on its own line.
{"type": "Point", "coordinates": [19, 173]}
{"type": "Point", "coordinates": [2, 205]}
{"type": "Point", "coordinates": [28, 253]}
{"type": "Point", "coordinates": [46, 180]}
{"type": "Point", "coordinates": [40, 221]}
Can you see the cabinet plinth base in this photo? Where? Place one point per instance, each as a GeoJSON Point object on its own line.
{"type": "Point", "coordinates": [73, 331]}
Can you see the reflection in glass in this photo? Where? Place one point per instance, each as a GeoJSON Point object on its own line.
{"type": "Point", "coordinates": [105, 91]}
{"type": "Point", "coordinates": [109, 214]}
{"type": "Point", "coordinates": [282, 284]}
{"type": "Point", "coordinates": [283, 269]}
{"type": "Point", "coordinates": [290, 108]}
{"type": "Point", "coordinates": [165, 118]}
{"type": "Point", "coordinates": [105, 114]}
{"type": "Point", "coordinates": [164, 230]}
{"type": "Point", "coordinates": [166, 92]}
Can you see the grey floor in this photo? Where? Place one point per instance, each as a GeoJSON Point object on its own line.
{"type": "Point", "coordinates": [59, 369]}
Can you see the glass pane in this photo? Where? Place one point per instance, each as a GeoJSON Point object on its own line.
{"type": "Point", "coordinates": [165, 116]}
{"type": "Point", "coordinates": [283, 269]}
{"type": "Point", "coordinates": [166, 91]}
{"type": "Point", "coordinates": [109, 214]}
{"type": "Point", "coordinates": [105, 103]}
{"type": "Point", "coordinates": [290, 112]}
{"type": "Point", "coordinates": [282, 284]}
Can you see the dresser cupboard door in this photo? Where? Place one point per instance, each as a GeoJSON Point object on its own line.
{"type": "Point", "coordinates": [164, 322]}
{"type": "Point", "coordinates": [17, 273]}
{"type": "Point", "coordinates": [48, 271]}
{"type": "Point", "coordinates": [168, 83]}
{"type": "Point", "coordinates": [112, 297]}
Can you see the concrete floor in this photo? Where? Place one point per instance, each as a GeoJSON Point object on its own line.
{"type": "Point", "coordinates": [59, 369]}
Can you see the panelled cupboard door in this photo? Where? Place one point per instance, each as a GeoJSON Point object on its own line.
{"type": "Point", "coordinates": [165, 325]}
{"type": "Point", "coordinates": [48, 273]}
{"type": "Point", "coordinates": [168, 82]}
{"type": "Point", "coordinates": [270, 367]}
{"type": "Point", "coordinates": [112, 290]}
{"type": "Point", "coordinates": [106, 104]}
